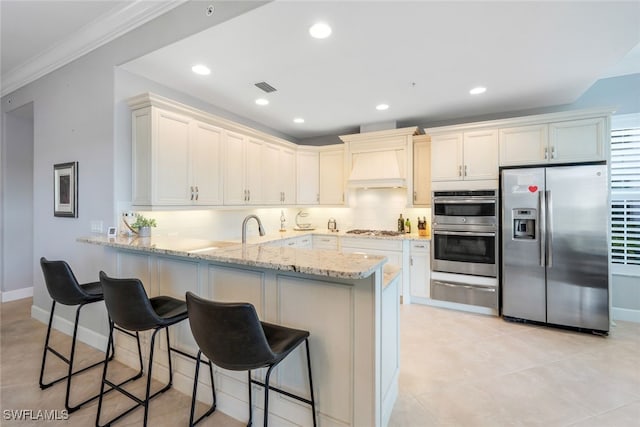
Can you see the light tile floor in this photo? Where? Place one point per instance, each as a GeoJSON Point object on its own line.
{"type": "Point", "coordinates": [457, 369]}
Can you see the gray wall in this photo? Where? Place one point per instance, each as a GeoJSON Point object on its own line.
{"type": "Point", "coordinates": [17, 206]}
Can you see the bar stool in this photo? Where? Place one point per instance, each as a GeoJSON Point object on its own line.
{"type": "Point", "coordinates": [131, 309]}
{"type": "Point", "coordinates": [64, 289]}
{"type": "Point", "coordinates": [232, 336]}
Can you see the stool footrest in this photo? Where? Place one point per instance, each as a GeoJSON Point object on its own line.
{"type": "Point", "coordinates": [279, 390]}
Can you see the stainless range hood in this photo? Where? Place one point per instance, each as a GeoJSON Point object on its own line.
{"type": "Point", "coordinates": [378, 169]}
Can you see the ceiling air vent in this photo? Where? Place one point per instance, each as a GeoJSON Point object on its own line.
{"type": "Point", "coordinates": [266, 87]}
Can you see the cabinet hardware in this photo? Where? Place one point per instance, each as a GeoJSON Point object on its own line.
{"type": "Point", "coordinates": [459, 170]}
{"type": "Point", "coordinates": [465, 170]}
{"type": "Point", "coordinates": [411, 261]}
{"type": "Point", "coordinates": [419, 246]}
{"type": "Point", "coordinates": [546, 153]}
{"type": "Point", "coordinates": [318, 197]}
{"type": "Point", "coordinates": [553, 152]}
{"type": "Point", "coordinates": [415, 196]}
{"type": "Point", "coordinates": [197, 192]}
{"type": "Point", "coordinates": [191, 192]}
{"type": "Point", "coordinates": [248, 195]}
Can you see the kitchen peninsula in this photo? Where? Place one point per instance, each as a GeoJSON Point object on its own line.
{"type": "Point", "coordinates": [348, 302]}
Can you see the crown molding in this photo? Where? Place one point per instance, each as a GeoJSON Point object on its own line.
{"type": "Point", "coordinates": [91, 36]}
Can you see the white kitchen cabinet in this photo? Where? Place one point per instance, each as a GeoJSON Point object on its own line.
{"type": "Point", "coordinates": [331, 166]}
{"type": "Point", "coordinates": [392, 249]}
{"type": "Point", "coordinates": [206, 160]}
{"type": "Point", "coordinates": [465, 156]}
{"type": "Point", "coordinates": [523, 145]}
{"type": "Point", "coordinates": [308, 177]}
{"type": "Point", "coordinates": [287, 175]}
{"type": "Point", "coordinates": [419, 269]}
{"type": "Point", "coordinates": [421, 170]}
{"type": "Point", "coordinates": [301, 242]}
{"type": "Point", "coordinates": [446, 157]}
{"type": "Point", "coordinates": [325, 242]}
{"type": "Point", "coordinates": [176, 160]}
{"type": "Point", "coordinates": [243, 170]}
{"type": "Point", "coordinates": [557, 142]}
{"type": "Point", "coordinates": [577, 140]}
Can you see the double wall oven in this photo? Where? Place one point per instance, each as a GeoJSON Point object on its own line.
{"type": "Point", "coordinates": [464, 255]}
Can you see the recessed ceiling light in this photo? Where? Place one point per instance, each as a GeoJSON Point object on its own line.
{"type": "Point", "coordinates": [320, 30]}
{"type": "Point", "coordinates": [478, 90]}
{"type": "Point", "coordinates": [382, 107]}
{"type": "Point", "coordinates": [298, 120]}
{"type": "Point", "coordinates": [203, 70]}
{"type": "Point", "coordinates": [262, 101]}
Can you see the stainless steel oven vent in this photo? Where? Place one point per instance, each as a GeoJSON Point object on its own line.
{"type": "Point", "coordinates": [266, 87]}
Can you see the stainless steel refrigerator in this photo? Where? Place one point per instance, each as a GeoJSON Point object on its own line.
{"type": "Point", "coordinates": [554, 246]}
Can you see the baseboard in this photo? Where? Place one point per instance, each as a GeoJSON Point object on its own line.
{"type": "Point", "coordinates": [65, 326]}
{"type": "Point", "coordinates": [17, 294]}
{"type": "Point", "coordinates": [625, 314]}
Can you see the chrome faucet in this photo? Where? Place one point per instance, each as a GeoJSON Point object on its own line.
{"type": "Point", "coordinates": [244, 227]}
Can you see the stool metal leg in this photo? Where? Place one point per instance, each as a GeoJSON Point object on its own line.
{"type": "Point", "coordinates": [111, 344]}
{"type": "Point", "coordinates": [266, 396]}
{"type": "Point", "coordinates": [250, 402]}
{"type": "Point", "coordinates": [313, 400]}
{"type": "Point", "coordinates": [69, 361]}
{"type": "Point", "coordinates": [195, 391]}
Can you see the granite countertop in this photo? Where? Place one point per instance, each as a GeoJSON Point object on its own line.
{"type": "Point", "coordinates": [290, 234]}
{"type": "Point", "coordinates": [308, 261]}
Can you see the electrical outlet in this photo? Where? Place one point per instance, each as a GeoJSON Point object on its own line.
{"type": "Point", "coordinates": [96, 227]}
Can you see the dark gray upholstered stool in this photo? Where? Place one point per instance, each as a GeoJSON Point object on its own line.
{"type": "Point", "coordinates": [64, 289]}
{"type": "Point", "coordinates": [131, 309]}
{"type": "Point", "coordinates": [232, 336]}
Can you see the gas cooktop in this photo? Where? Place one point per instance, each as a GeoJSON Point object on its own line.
{"type": "Point", "coordinates": [375, 232]}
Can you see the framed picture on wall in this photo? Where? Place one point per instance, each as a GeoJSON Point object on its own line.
{"type": "Point", "coordinates": [65, 189]}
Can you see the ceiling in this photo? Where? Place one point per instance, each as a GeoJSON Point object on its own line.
{"type": "Point", "coordinates": [419, 57]}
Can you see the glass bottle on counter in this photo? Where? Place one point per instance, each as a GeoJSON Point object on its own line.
{"type": "Point", "coordinates": [400, 224]}
{"type": "Point", "coordinates": [407, 226]}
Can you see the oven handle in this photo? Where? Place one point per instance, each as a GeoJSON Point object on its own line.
{"type": "Point", "coordinates": [477, 288]}
{"type": "Point", "coordinates": [465, 233]}
{"type": "Point", "coordinates": [461, 201]}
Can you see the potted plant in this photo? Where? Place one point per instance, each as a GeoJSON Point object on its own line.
{"type": "Point", "coordinates": [143, 225]}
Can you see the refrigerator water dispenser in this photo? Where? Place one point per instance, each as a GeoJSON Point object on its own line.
{"type": "Point", "coordinates": [524, 224]}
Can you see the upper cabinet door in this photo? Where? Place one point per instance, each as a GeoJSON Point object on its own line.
{"type": "Point", "coordinates": [234, 174]}
{"type": "Point", "coordinates": [446, 157]}
{"type": "Point", "coordinates": [287, 175]}
{"type": "Point", "coordinates": [480, 155]}
{"type": "Point", "coordinates": [577, 140]}
{"type": "Point", "coordinates": [524, 145]}
{"type": "Point", "coordinates": [253, 168]}
{"type": "Point", "coordinates": [171, 165]}
{"type": "Point", "coordinates": [421, 170]}
{"type": "Point", "coordinates": [332, 177]}
{"type": "Point", "coordinates": [271, 190]}
{"type": "Point", "coordinates": [308, 177]}
{"type": "Point", "coordinates": [206, 164]}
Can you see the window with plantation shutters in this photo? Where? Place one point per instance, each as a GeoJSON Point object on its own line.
{"type": "Point", "coordinates": [625, 198]}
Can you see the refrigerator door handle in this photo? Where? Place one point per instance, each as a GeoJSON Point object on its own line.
{"type": "Point", "coordinates": [542, 227]}
{"type": "Point", "coordinates": [549, 223]}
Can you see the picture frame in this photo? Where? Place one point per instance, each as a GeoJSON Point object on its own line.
{"type": "Point", "coordinates": [65, 189]}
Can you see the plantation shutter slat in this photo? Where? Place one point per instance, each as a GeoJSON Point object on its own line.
{"type": "Point", "coordinates": [625, 196]}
